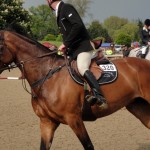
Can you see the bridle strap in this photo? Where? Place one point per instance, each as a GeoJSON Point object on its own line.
{"type": "Point", "coordinates": [21, 64]}
{"type": "Point", "coordinates": [47, 54]}
{"type": "Point", "coordinates": [49, 74]}
{"type": "Point", "coordinates": [10, 66]}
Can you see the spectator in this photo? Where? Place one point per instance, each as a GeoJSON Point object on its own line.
{"type": "Point", "coordinates": [145, 36]}
{"type": "Point", "coordinates": [125, 51]}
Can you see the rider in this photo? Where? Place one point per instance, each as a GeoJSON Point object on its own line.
{"type": "Point", "coordinates": [145, 36]}
{"type": "Point", "coordinates": [76, 43]}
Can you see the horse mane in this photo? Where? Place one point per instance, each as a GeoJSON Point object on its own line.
{"type": "Point", "coordinates": [32, 41]}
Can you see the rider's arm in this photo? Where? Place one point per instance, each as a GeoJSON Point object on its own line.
{"type": "Point", "coordinates": [76, 26]}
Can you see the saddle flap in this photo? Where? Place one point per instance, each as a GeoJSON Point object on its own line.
{"type": "Point", "coordinates": [94, 68]}
{"type": "Point", "coordinates": [104, 71]}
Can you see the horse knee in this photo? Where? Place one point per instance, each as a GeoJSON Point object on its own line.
{"type": "Point", "coordinates": [77, 125]}
{"type": "Point", "coordinates": [48, 128]}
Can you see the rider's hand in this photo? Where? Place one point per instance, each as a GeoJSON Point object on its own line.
{"type": "Point", "coordinates": [149, 43]}
{"type": "Point", "coordinates": [62, 48]}
{"type": "Point", "coordinates": [52, 48]}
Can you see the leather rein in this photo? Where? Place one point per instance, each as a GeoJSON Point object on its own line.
{"type": "Point", "coordinates": [21, 64]}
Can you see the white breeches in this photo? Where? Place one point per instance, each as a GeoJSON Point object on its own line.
{"type": "Point", "coordinates": [144, 49]}
{"type": "Point", "coordinates": [84, 61]}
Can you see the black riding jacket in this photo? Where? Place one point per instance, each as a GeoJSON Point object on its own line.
{"type": "Point", "coordinates": [145, 36]}
{"type": "Point", "coordinates": [75, 36]}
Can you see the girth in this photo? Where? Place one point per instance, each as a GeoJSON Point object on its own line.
{"type": "Point", "coordinates": [49, 74]}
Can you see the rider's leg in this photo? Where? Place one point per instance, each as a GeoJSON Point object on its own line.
{"type": "Point", "coordinates": [90, 78]}
{"type": "Point", "coordinates": [144, 48]}
{"type": "Point", "coordinates": [83, 63]}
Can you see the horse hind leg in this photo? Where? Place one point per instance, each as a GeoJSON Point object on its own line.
{"type": "Point", "coordinates": [140, 109]}
{"type": "Point", "coordinates": [77, 125]}
{"type": "Point", "coordinates": [48, 128]}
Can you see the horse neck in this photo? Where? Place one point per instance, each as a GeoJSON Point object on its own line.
{"type": "Point", "coordinates": [34, 67]}
{"type": "Point", "coordinates": [27, 51]}
{"type": "Point", "coordinates": [23, 50]}
{"type": "Point", "coordinates": [39, 68]}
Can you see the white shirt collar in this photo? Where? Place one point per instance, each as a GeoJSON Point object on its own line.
{"type": "Point", "coordinates": [57, 6]}
{"type": "Point", "coordinates": [144, 28]}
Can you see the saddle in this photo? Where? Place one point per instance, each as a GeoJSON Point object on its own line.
{"type": "Point", "coordinates": [94, 68]}
{"type": "Point", "coordinates": [103, 70]}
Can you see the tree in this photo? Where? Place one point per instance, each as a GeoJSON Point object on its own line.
{"type": "Point", "coordinates": [14, 17]}
{"type": "Point", "coordinates": [131, 29]}
{"type": "Point", "coordinates": [140, 25]}
{"type": "Point", "coordinates": [43, 21]}
{"type": "Point", "coordinates": [96, 30]}
{"type": "Point", "coordinates": [114, 23]}
{"type": "Point", "coordinates": [123, 39]}
{"type": "Point", "coordinates": [82, 6]}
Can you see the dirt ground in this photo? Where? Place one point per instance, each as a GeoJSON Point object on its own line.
{"type": "Point", "coordinates": [19, 126]}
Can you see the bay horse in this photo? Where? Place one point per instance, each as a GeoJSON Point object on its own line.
{"type": "Point", "coordinates": [59, 99]}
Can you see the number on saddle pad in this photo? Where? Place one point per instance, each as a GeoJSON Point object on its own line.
{"type": "Point", "coordinates": [109, 73]}
{"type": "Point", "coordinates": [108, 67]}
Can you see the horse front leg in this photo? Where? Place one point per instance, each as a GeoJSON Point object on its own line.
{"type": "Point", "coordinates": [77, 125]}
{"type": "Point", "coordinates": [48, 128]}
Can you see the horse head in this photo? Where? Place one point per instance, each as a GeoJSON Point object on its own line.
{"type": "Point", "coordinates": [6, 55]}
{"type": "Point", "coordinates": [9, 46]}
{"type": "Point", "coordinates": [19, 51]}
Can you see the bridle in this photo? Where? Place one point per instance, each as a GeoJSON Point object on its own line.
{"type": "Point", "coordinates": [22, 62]}
{"type": "Point", "coordinates": [21, 65]}
{"type": "Point", "coordinates": [3, 47]}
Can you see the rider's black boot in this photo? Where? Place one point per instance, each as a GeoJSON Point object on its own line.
{"type": "Point", "coordinates": [143, 56]}
{"type": "Point", "coordinates": [98, 98]}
